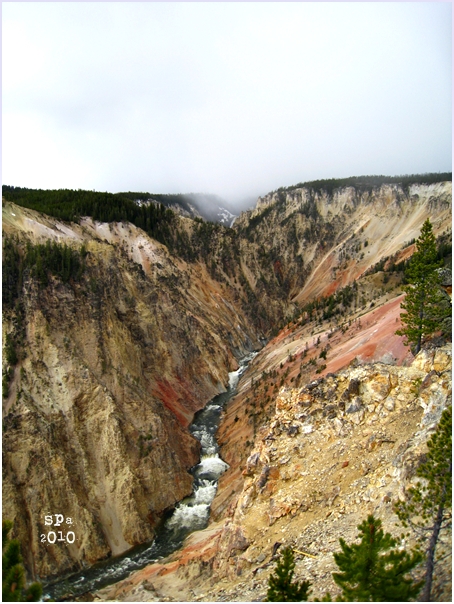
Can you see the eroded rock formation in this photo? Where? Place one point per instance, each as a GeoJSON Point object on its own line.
{"type": "Point", "coordinates": [334, 450]}
{"type": "Point", "coordinates": [112, 370]}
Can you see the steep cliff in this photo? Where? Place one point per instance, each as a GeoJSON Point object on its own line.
{"type": "Point", "coordinates": [111, 369]}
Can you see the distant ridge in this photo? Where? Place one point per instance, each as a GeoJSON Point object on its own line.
{"type": "Point", "coordinates": [66, 203]}
{"type": "Point", "coordinates": [369, 182]}
{"type": "Point", "coordinates": [194, 205]}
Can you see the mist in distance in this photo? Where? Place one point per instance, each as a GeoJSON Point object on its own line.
{"type": "Point", "coordinates": [227, 99]}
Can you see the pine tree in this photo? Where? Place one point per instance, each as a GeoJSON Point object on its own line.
{"type": "Point", "coordinates": [280, 586]}
{"type": "Point", "coordinates": [13, 577]}
{"type": "Point", "coordinates": [427, 509]}
{"type": "Point", "coordinates": [374, 572]}
{"type": "Point", "coordinates": [423, 302]}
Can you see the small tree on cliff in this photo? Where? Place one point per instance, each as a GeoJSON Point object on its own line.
{"type": "Point", "coordinates": [423, 302]}
{"type": "Point", "coordinates": [13, 578]}
{"type": "Point", "coordinates": [372, 571]}
{"type": "Point", "coordinates": [280, 586]}
{"type": "Point", "coordinates": [427, 509]}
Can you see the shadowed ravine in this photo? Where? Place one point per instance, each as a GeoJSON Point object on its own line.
{"type": "Point", "coordinates": [190, 514]}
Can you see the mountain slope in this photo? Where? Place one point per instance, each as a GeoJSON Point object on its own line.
{"type": "Point", "coordinates": [319, 241]}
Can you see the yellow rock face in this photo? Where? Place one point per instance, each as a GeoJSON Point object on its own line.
{"type": "Point", "coordinates": [112, 370]}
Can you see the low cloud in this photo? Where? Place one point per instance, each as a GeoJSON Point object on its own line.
{"type": "Point", "coordinates": [233, 99]}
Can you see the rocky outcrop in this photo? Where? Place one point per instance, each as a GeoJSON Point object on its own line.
{"type": "Point", "coordinates": [335, 450]}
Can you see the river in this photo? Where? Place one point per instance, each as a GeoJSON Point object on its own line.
{"type": "Point", "coordinates": [190, 514]}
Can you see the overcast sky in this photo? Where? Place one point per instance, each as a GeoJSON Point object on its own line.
{"type": "Point", "coordinates": [230, 98]}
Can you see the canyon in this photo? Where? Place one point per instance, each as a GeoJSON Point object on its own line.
{"type": "Point", "coordinates": [111, 368]}
{"type": "Point", "coordinates": [333, 451]}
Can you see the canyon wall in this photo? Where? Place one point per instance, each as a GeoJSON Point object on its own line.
{"type": "Point", "coordinates": [314, 242]}
{"type": "Point", "coordinates": [111, 371]}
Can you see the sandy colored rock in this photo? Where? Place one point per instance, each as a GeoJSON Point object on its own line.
{"type": "Point", "coordinates": [325, 494]}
